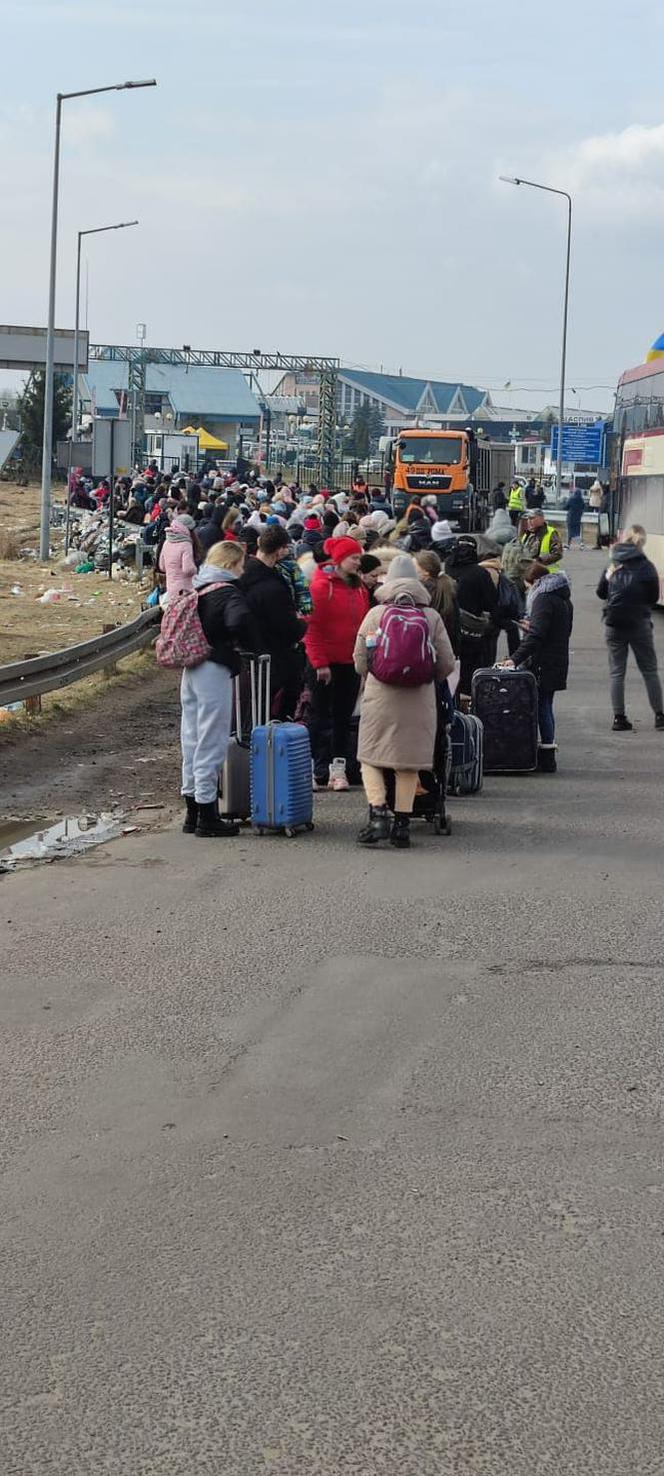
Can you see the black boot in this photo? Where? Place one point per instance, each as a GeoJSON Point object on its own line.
{"type": "Point", "coordinates": [400, 833]}
{"type": "Point", "coordinates": [211, 824]}
{"type": "Point", "coordinates": [377, 827]}
{"type": "Point", "coordinates": [621, 724]}
{"type": "Point", "coordinates": [191, 817]}
{"type": "Point", "coordinates": [546, 758]}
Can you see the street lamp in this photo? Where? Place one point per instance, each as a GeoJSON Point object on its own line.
{"type": "Point", "coordinates": [549, 190]}
{"type": "Point", "coordinates": [122, 225]}
{"type": "Point", "coordinates": [44, 534]}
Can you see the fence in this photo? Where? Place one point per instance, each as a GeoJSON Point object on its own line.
{"type": "Point", "coordinates": [24, 679]}
{"type": "Point", "coordinates": [302, 467]}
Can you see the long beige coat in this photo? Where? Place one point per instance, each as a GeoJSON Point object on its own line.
{"type": "Point", "coordinates": [398, 724]}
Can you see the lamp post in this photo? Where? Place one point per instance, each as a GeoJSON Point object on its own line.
{"type": "Point", "coordinates": [47, 449]}
{"type": "Point", "coordinates": [549, 190]}
{"type": "Point", "coordinates": [122, 225]}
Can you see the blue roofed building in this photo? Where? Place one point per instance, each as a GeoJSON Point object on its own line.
{"type": "Point", "coordinates": [218, 399]}
{"type": "Point", "coordinates": [400, 398]}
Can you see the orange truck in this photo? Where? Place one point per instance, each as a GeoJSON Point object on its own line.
{"type": "Point", "coordinates": [449, 465]}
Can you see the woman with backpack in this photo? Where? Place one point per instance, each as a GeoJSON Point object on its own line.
{"type": "Point", "coordinates": [402, 648]}
{"type": "Point", "coordinates": [206, 691]}
{"type": "Point", "coordinates": [630, 589]}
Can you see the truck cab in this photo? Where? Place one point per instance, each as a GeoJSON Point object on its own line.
{"type": "Point", "coordinates": [439, 463]}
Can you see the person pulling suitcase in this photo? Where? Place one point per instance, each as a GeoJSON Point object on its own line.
{"type": "Point", "coordinates": [545, 649]}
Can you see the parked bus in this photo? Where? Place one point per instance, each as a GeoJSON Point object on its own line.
{"type": "Point", "coordinates": [641, 492]}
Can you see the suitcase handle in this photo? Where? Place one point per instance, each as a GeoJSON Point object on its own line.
{"type": "Point", "coordinates": [259, 680]}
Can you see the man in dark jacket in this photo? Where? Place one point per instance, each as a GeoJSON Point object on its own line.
{"type": "Point", "coordinates": [630, 586]}
{"type": "Point", "coordinates": [545, 650]}
{"type": "Point", "coordinates": [477, 596]}
{"type": "Point", "coordinates": [279, 629]}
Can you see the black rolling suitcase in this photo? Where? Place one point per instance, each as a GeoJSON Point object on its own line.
{"type": "Point", "coordinates": [506, 703]}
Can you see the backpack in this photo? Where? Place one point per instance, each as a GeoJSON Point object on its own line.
{"type": "Point", "coordinates": [621, 592]}
{"type": "Point", "coordinates": [403, 655]}
{"type": "Point", "coordinates": [509, 603]}
{"type": "Point", "coordinates": [181, 642]}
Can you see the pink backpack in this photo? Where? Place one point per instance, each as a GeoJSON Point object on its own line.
{"type": "Point", "coordinates": [181, 641]}
{"type": "Point", "coordinates": [403, 655]}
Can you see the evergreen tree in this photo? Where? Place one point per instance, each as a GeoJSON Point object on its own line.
{"type": "Point", "coordinates": [31, 409]}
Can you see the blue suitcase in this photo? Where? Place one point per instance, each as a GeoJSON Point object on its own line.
{"type": "Point", "coordinates": [281, 778]}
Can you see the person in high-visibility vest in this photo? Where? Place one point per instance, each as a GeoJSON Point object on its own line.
{"type": "Point", "coordinates": [515, 503]}
{"type": "Point", "coordinates": [542, 541]}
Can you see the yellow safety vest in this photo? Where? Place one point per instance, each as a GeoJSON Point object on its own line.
{"type": "Point", "coordinates": [545, 546]}
{"type": "Point", "coordinates": [515, 500]}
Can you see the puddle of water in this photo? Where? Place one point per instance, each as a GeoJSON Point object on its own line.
{"type": "Point", "coordinates": [68, 837]}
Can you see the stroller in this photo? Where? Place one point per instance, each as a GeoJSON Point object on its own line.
{"type": "Point", "coordinates": [430, 800]}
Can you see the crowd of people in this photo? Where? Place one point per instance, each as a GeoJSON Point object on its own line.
{"type": "Point", "coordinates": [305, 576]}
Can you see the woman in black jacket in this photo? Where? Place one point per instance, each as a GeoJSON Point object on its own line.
{"type": "Point", "coordinates": [545, 649]}
{"type": "Point", "coordinates": [206, 691]}
{"type": "Point", "coordinates": [630, 587]}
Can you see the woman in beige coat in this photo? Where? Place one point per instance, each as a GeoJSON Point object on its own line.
{"type": "Point", "coordinates": [397, 724]}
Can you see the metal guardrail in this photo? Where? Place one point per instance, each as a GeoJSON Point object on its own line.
{"type": "Point", "coordinates": [23, 679]}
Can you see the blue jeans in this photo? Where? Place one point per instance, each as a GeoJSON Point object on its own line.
{"type": "Point", "coordinates": [547, 722]}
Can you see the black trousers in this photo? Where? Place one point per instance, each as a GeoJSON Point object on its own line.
{"type": "Point", "coordinates": [332, 706]}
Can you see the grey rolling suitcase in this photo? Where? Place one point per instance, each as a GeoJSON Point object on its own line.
{"type": "Point", "coordinates": [251, 706]}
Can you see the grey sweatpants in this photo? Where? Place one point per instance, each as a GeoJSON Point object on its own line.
{"type": "Point", "coordinates": [206, 694]}
{"type": "Point", "coordinates": [639, 638]}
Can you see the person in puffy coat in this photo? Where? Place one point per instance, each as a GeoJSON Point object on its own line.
{"type": "Point", "coordinates": [176, 559]}
{"type": "Point", "coordinates": [397, 724]}
{"type": "Point", "coordinates": [340, 603]}
{"type": "Point", "coordinates": [630, 588]}
{"type": "Point", "coordinates": [544, 649]}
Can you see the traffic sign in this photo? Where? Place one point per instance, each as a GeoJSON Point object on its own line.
{"type": "Point", "coordinates": [584, 443]}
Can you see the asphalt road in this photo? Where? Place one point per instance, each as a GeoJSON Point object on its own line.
{"type": "Point", "coordinates": [324, 1161]}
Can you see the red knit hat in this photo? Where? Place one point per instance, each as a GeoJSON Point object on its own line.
{"type": "Point", "coordinates": [338, 549]}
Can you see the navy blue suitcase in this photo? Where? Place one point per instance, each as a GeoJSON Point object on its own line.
{"type": "Point", "coordinates": [506, 703]}
{"type": "Point", "coordinates": [466, 748]}
{"type": "Point", "coordinates": [281, 778]}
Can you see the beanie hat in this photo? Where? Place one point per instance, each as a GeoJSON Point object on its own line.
{"type": "Point", "coordinates": [368, 563]}
{"type": "Point", "coordinates": [311, 524]}
{"type": "Point", "coordinates": [338, 549]}
{"type": "Point", "coordinates": [402, 567]}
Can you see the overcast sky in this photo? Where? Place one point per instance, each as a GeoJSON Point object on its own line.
{"type": "Point", "coordinates": [320, 176]}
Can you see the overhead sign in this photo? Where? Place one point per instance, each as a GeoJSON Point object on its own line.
{"type": "Point", "coordinates": [25, 348]}
{"type": "Point", "coordinates": [584, 443]}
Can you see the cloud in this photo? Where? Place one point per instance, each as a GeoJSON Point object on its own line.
{"type": "Point", "coordinates": [619, 176]}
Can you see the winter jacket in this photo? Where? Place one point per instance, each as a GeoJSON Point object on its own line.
{"type": "Point", "coordinates": [398, 724]}
{"type": "Point", "coordinates": [339, 609]}
{"type": "Point", "coordinates": [270, 601]}
{"type": "Point", "coordinates": [298, 585]}
{"type": "Point", "coordinates": [545, 647]}
{"type": "Point", "coordinates": [210, 532]}
{"type": "Point", "coordinates": [225, 616]}
{"type": "Point", "coordinates": [501, 527]}
{"type": "Point", "coordinates": [176, 561]}
{"type": "Point", "coordinates": [476, 590]}
{"type": "Point", "coordinates": [532, 543]}
{"type": "Point", "coordinates": [639, 584]}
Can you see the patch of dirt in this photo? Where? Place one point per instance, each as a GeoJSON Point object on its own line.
{"type": "Point", "coordinates": [116, 750]}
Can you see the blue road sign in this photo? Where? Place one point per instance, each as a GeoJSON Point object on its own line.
{"type": "Point", "coordinates": [584, 443]}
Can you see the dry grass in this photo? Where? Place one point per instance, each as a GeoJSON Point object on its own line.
{"type": "Point", "coordinates": [28, 628]}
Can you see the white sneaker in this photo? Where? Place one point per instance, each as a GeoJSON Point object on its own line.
{"type": "Point", "coordinates": [337, 779]}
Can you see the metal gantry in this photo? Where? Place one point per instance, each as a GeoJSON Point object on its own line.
{"type": "Point", "coordinates": [326, 367]}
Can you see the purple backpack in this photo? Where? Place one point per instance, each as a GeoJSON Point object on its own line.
{"type": "Point", "coordinates": [403, 655]}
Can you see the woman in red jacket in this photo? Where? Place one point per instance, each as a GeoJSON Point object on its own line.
{"type": "Point", "coordinates": [340, 604]}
